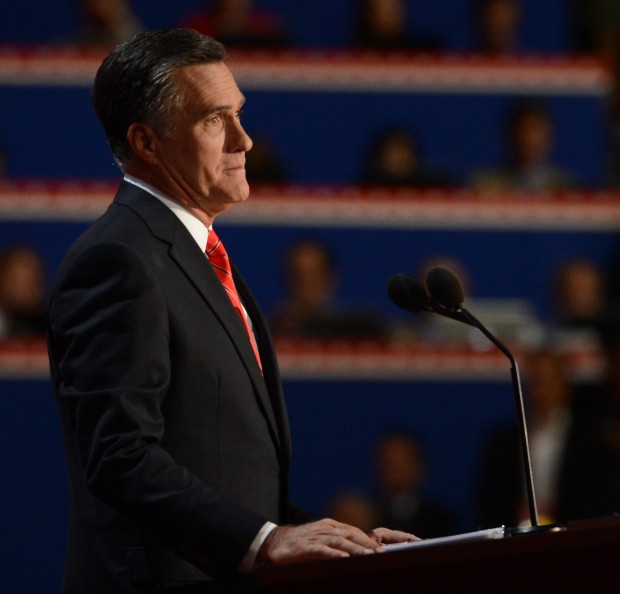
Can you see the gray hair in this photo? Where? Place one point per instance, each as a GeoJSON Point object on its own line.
{"type": "Point", "coordinates": [137, 82]}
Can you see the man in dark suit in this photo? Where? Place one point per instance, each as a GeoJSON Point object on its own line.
{"type": "Point", "coordinates": [174, 421]}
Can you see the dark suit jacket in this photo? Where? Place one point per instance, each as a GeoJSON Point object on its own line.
{"type": "Point", "coordinates": [178, 447]}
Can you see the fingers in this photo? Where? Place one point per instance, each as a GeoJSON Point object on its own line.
{"type": "Point", "coordinates": [387, 536]}
{"type": "Point", "coordinates": [317, 540]}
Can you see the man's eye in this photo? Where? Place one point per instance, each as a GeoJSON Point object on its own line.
{"type": "Point", "coordinates": [239, 114]}
{"type": "Point", "coordinates": [214, 120]}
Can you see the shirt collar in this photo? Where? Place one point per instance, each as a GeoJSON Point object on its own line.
{"type": "Point", "coordinates": [191, 222]}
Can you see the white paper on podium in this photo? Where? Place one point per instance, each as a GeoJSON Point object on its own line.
{"type": "Point", "coordinates": [488, 534]}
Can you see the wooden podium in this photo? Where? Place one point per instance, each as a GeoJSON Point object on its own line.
{"type": "Point", "coordinates": [584, 559]}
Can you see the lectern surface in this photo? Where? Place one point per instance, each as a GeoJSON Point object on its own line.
{"type": "Point", "coordinates": [583, 559]}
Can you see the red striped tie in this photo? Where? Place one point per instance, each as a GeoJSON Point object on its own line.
{"type": "Point", "coordinates": [216, 252]}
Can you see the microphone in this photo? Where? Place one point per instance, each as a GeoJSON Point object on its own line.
{"type": "Point", "coordinates": [410, 295]}
{"type": "Point", "coordinates": [446, 299]}
{"type": "Point", "coordinates": [445, 288]}
{"type": "Point", "coordinates": [407, 293]}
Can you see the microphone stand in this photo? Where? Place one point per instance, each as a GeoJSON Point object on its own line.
{"type": "Point", "coordinates": [522, 428]}
{"type": "Point", "coordinates": [463, 315]}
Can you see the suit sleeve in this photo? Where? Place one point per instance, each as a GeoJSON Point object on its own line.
{"type": "Point", "coordinates": [109, 353]}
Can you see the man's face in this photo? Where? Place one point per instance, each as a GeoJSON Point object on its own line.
{"type": "Point", "coordinates": [202, 156]}
{"type": "Point", "coordinates": [399, 464]}
{"type": "Point", "coordinates": [532, 139]}
{"type": "Point", "coordinates": [310, 277]}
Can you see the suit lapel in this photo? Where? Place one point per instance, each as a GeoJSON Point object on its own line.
{"type": "Point", "coordinates": [268, 360]}
{"type": "Point", "coordinates": [188, 256]}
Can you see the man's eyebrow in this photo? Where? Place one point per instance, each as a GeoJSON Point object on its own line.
{"type": "Point", "coordinates": [217, 108]}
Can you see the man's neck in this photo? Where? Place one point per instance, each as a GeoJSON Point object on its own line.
{"type": "Point", "coordinates": [155, 186]}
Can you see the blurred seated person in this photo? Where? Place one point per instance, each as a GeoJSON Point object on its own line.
{"type": "Point", "coordinates": [497, 25]}
{"type": "Point", "coordinates": [579, 292]}
{"type": "Point", "coordinates": [596, 32]}
{"type": "Point", "coordinates": [239, 24]}
{"type": "Point", "coordinates": [106, 22]}
{"type": "Point", "coordinates": [263, 164]}
{"type": "Point", "coordinates": [596, 27]}
{"type": "Point", "coordinates": [310, 309]}
{"type": "Point", "coordinates": [579, 303]}
{"type": "Point", "coordinates": [585, 317]}
{"type": "Point", "coordinates": [604, 401]}
{"type": "Point", "coordinates": [400, 469]}
{"type": "Point", "coordinates": [384, 25]}
{"type": "Point", "coordinates": [529, 134]}
{"type": "Point", "coordinates": [353, 507]}
{"type": "Point", "coordinates": [394, 160]}
{"type": "Point", "coordinates": [22, 293]}
{"type": "Point", "coordinates": [561, 454]}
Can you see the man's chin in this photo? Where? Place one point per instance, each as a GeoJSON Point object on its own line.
{"type": "Point", "coordinates": [243, 194]}
{"type": "Point", "coordinates": [237, 198]}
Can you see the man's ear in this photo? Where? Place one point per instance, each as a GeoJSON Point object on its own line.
{"type": "Point", "coordinates": [143, 142]}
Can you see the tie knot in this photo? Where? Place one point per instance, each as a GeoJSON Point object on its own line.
{"type": "Point", "coordinates": [215, 250]}
{"type": "Point", "coordinates": [213, 242]}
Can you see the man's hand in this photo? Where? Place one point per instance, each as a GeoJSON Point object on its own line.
{"type": "Point", "coordinates": [387, 536]}
{"type": "Point", "coordinates": [325, 539]}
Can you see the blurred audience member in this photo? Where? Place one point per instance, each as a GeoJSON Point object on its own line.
{"type": "Point", "coordinates": [263, 164]}
{"type": "Point", "coordinates": [106, 22]}
{"type": "Point", "coordinates": [579, 303]}
{"type": "Point", "coordinates": [394, 160]}
{"type": "Point", "coordinates": [355, 508]}
{"type": "Point", "coordinates": [402, 503]}
{"type": "Point", "coordinates": [604, 43]}
{"type": "Point", "coordinates": [561, 454]}
{"type": "Point", "coordinates": [596, 27]}
{"type": "Point", "coordinates": [239, 24]}
{"type": "Point", "coordinates": [497, 24]}
{"type": "Point", "coordinates": [22, 293]}
{"type": "Point", "coordinates": [311, 308]}
{"type": "Point", "coordinates": [384, 25]}
{"type": "Point", "coordinates": [600, 406]}
{"type": "Point", "coordinates": [596, 31]}
{"type": "Point", "coordinates": [529, 143]}
{"type": "Point", "coordinates": [579, 293]}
